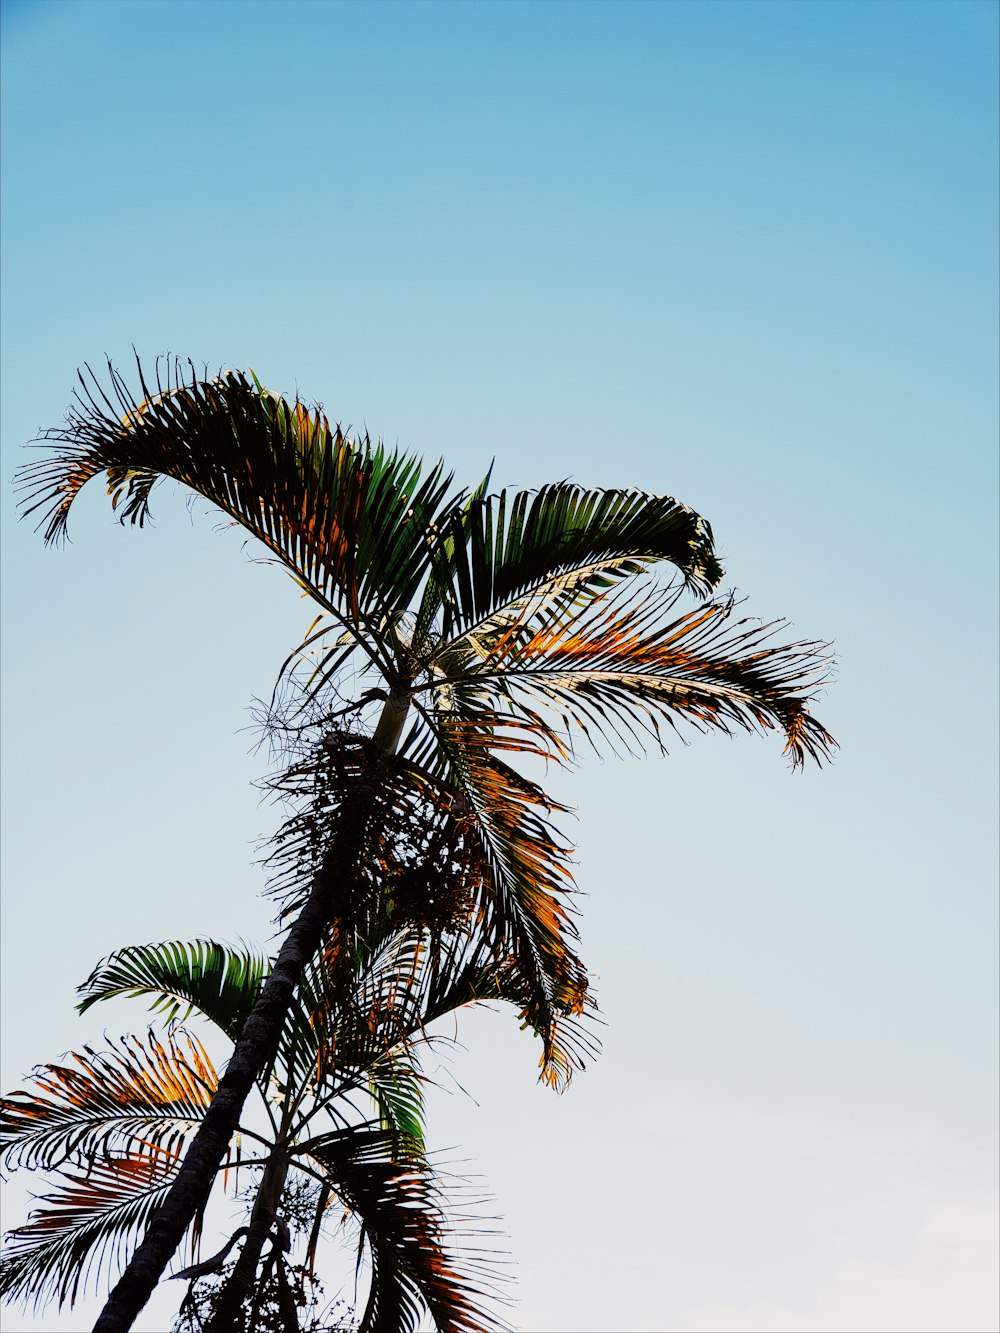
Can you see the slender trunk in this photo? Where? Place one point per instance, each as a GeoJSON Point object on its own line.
{"type": "Point", "coordinates": [227, 1317]}
{"type": "Point", "coordinates": [254, 1050]}
{"type": "Point", "coordinates": [193, 1183]}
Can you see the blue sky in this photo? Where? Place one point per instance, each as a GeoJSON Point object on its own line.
{"type": "Point", "coordinates": [742, 253]}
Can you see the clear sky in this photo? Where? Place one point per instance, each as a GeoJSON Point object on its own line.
{"type": "Point", "coordinates": [742, 253]}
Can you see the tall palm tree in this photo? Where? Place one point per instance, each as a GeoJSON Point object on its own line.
{"type": "Point", "coordinates": [486, 626]}
{"type": "Point", "coordinates": [113, 1124]}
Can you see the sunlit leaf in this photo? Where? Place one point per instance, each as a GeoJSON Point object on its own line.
{"type": "Point", "coordinates": [141, 1095]}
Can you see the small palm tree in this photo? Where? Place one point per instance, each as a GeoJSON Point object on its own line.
{"type": "Point", "coordinates": [482, 627]}
{"type": "Point", "coordinates": [113, 1126]}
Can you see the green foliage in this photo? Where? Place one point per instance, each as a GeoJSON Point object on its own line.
{"type": "Point", "coordinates": [182, 978]}
{"type": "Point", "coordinates": [490, 625]}
{"type": "Point", "coordinates": [476, 629]}
{"type": "Point", "coordinates": [112, 1126]}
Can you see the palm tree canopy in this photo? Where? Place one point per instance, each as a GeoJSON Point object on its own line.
{"type": "Point", "coordinates": [357, 524]}
{"type": "Point", "coordinates": [113, 1125]}
{"type": "Point", "coordinates": [491, 625]}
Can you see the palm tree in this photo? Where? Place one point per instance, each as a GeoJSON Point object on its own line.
{"type": "Point", "coordinates": [113, 1124]}
{"type": "Point", "coordinates": [485, 626]}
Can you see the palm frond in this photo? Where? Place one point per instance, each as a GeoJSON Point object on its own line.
{"type": "Point", "coordinates": [143, 1096]}
{"type": "Point", "coordinates": [348, 519]}
{"type": "Point", "coordinates": [397, 1089]}
{"type": "Point", "coordinates": [337, 1041]}
{"type": "Point", "coordinates": [621, 669]}
{"type": "Point", "coordinates": [525, 903]}
{"type": "Point", "coordinates": [561, 541]}
{"type": "Point", "coordinates": [182, 977]}
{"type": "Point", "coordinates": [418, 1260]}
{"type": "Point", "coordinates": [463, 850]}
{"type": "Point", "coordinates": [91, 1220]}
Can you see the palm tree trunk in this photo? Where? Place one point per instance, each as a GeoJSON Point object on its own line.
{"type": "Point", "coordinates": [254, 1050]}
{"type": "Point", "coordinates": [193, 1183]}
{"type": "Point", "coordinates": [226, 1317]}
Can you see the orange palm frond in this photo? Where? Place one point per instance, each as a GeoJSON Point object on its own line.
{"type": "Point", "coordinates": [145, 1095]}
{"type": "Point", "coordinates": [527, 913]}
{"type": "Point", "coordinates": [621, 669]}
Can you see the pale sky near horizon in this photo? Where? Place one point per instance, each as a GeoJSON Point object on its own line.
{"type": "Point", "coordinates": [745, 254]}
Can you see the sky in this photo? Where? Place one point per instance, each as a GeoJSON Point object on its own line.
{"type": "Point", "coordinates": [744, 254]}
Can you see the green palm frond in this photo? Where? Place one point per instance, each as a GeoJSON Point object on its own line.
{"type": "Point", "coordinates": [182, 977]}
{"type": "Point", "coordinates": [217, 981]}
{"type": "Point", "coordinates": [91, 1220]}
{"type": "Point", "coordinates": [348, 519]}
{"type": "Point", "coordinates": [562, 542]}
{"type": "Point", "coordinates": [396, 1086]}
{"type": "Point", "coordinates": [327, 1047]}
{"type": "Point", "coordinates": [141, 1096]}
{"type": "Point", "coordinates": [418, 1260]}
